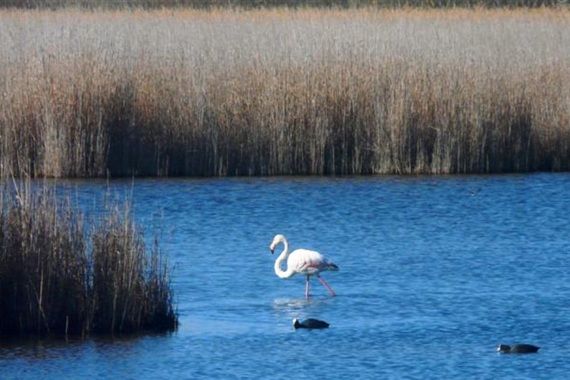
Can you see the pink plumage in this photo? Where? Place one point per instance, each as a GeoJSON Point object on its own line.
{"type": "Point", "coordinates": [302, 261]}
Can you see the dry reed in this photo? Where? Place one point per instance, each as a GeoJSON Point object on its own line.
{"type": "Point", "coordinates": [56, 279]}
{"type": "Point", "coordinates": [281, 91]}
{"type": "Point", "coordinates": [207, 4]}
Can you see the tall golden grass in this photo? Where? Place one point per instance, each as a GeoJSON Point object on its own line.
{"type": "Point", "coordinates": [282, 91]}
{"type": "Point", "coordinates": [206, 4]}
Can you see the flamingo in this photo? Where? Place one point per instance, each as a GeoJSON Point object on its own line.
{"type": "Point", "coordinates": [302, 261]}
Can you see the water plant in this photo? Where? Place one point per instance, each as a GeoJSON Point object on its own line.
{"type": "Point", "coordinates": [56, 278]}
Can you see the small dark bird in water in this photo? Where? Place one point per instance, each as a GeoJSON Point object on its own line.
{"type": "Point", "coordinates": [310, 323]}
{"type": "Point", "coordinates": [517, 349]}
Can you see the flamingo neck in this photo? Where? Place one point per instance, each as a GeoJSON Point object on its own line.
{"type": "Point", "coordinates": [283, 257]}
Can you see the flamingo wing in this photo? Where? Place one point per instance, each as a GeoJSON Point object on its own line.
{"type": "Point", "coordinates": [307, 262]}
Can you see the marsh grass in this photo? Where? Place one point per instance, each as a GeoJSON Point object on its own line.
{"type": "Point", "coordinates": [247, 4]}
{"type": "Point", "coordinates": [282, 91]}
{"type": "Point", "coordinates": [58, 279]}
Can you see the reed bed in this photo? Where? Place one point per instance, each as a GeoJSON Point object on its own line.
{"type": "Point", "coordinates": [208, 4]}
{"type": "Point", "coordinates": [58, 279]}
{"type": "Point", "coordinates": [284, 91]}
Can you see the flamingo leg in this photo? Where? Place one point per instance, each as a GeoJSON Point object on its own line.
{"type": "Point", "coordinates": [326, 285]}
{"type": "Point", "coordinates": [307, 288]}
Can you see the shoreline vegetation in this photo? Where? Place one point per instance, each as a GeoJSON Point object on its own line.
{"type": "Point", "coordinates": [252, 4]}
{"type": "Point", "coordinates": [59, 278]}
{"type": "Point", "coordinates": [279, 91]}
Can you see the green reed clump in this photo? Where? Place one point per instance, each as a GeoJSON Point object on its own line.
{"type": "Point", "coordinates": [44, 284]}
{"type": "Point", "coordinates": [130, 291]}
{"type": "Point", "coordinates": [55, 279]}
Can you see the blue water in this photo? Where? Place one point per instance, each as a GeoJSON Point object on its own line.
{"type": "Point", "coordinates": [434, 272]}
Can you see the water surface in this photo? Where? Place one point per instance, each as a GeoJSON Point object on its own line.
{"type": "Point", "coordinates": [434, 272]}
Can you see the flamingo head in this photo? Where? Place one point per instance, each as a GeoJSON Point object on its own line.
{"type": "Point", "coordinates": [276, 241]}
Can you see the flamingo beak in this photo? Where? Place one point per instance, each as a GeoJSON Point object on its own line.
{"type": "Point", "coordinates": [271, 249]}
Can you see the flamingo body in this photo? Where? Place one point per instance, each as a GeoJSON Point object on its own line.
{"type": "Point", "coordinates": [307, 262]}
{"type": "Point", "coordinates": [302, 261]}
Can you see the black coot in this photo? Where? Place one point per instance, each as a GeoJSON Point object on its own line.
{"type": "Point", "coordinates": [517, 349]}
{"type": "Point", "coordinates": [310, 323]}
